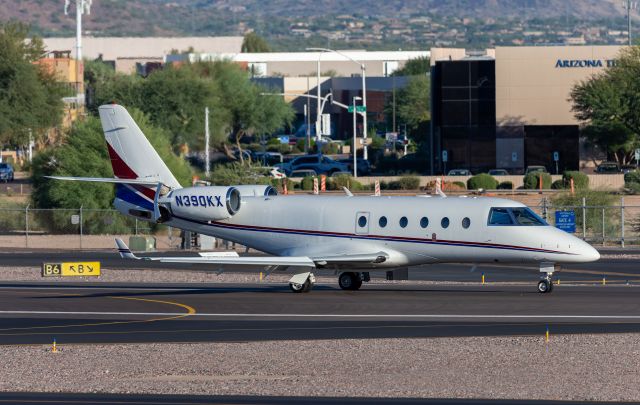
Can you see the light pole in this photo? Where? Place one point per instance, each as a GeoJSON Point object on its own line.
{"type": "Point", "coordinates": [364, 89]}
{"type": "Point", "coordinates": [629, 5]}
{"type": "Point", "coordinates": [355, 155]}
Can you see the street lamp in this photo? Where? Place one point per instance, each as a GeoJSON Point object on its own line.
{"type": "Point", "coordinates": [364, 88]}
{"type": "Point", "coordinates": [355, 155]}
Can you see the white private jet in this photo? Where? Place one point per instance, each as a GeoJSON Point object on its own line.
{"type": "Point", "coordinates": [351, 235]}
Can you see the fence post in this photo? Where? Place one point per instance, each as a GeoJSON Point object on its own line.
{"type": "Point", "coordinates": [136, 231]}
{"type": "Point", "coordinates": [81, 226]}
{"type": "Point", "coordinates": [26, 226]}
{"type": "Point", "coordinates": [584, 218]}
{"type": "Point", "coordinates": [622, 221]}
{"type": "Point", "coordinates": [603, 235]}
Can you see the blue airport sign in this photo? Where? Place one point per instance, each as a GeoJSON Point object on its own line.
{"type": "Point", "coordinates": [566, 221]}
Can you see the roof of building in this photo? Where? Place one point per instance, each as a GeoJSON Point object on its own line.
{"type": "Point", "coordinates": [361, 56]}
{"type": "Point", "coordinates": [112, 48]}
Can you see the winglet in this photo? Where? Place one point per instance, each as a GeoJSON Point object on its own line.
{"type": "Point", "coordinates": [124, 250]}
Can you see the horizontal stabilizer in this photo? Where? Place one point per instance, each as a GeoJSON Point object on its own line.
{"type": "Point", "coordinates": [107, 180]}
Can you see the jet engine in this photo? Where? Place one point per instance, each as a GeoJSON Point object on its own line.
{"type": "Point", "coordinates": [211, 203]}
{"type": "Point", "coordinates": [256, 190]}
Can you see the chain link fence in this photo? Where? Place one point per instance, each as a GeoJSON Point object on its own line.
{"type": "Point", "coordinates": [76, 228]}
{"type": "Point", "coordinates": [616, 224]}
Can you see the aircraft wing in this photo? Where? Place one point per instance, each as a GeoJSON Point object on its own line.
{"type": "Point", "coordinates": [302, 261]}
{"type": "Point", "coordinates": [226, 258]}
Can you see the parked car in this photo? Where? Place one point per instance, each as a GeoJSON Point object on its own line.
{"type": "Point", "coordinates": [319, 163]}
{"type": "Point", "coordinates": [364, 167]}
{"type": "Point", "coordinates": [608, 168]}
{"type": "Point", "coordinates": [535, 169]}
{"type": "Point", "coordinates": [459, 172]}
{"type": "Point", "coordinates": [297, 174]}
{"type": "Point", "coordinates": [268, 158]}
{"type": "Point", "coordinates": [498, 172]}
{"type": "Point", "coordinates": [6, 172]}
{"type": "Point", "coordinates": [628, 168]}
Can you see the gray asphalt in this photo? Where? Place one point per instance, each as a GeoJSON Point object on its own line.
{"type": "Point", "coordinates": [37, 313]}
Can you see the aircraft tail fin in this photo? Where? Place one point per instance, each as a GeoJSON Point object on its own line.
{"type": "Point", "coordinates": [131, 154]}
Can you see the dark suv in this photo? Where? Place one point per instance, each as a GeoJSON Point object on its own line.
{"type": "Point", "coordinates": [318, 163]}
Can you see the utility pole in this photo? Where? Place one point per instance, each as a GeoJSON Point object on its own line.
{"type": "Point", "coordinates": [82, 6]}
{"type": "Point", "coordinates": [207, 158]}
{"type": "Point", "coordinates": [629, 5]}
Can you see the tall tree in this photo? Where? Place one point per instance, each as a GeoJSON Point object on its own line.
{"type": "Point", "coordinates": [30, 95]}
{"type": "Point", "coordinates": [254, 43]}
{"type": "Point", "coordinates": [608, 105]}
{"type": "Point", "coordinates": [414, 67]}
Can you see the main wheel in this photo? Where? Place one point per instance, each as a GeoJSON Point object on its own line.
{"type": "Point", "coordinates": [350, 281]}
{"type": "Point", "coordinates": [544, 286]}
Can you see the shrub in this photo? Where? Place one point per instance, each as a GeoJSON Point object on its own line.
{"type": "Point", "coordinates": [505, 185]}
{"type": "Point", "coordinates": [532, 181]}
{"type": "Point", "coordinates": [558, 185]}
{"type": "Point", "coordinates": [307, 183]}
{"type": "Point", "coordinates": [482, 181]}
{"type": "Point", "coordinates": [460, 185]}
{"type": "Point", "coordinates": [337, 182]}
{"type": "Point", "coordinates": [409, 183]}
{"type": "Point", "coordinates": [632, 181]}
{"type": "Point", "coordinates": [580, 180]}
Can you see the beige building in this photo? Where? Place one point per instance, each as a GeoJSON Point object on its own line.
{"type": "Point", "coordinates": [510, 107]}
{"type": "Point", "coordinates": [127, 51]}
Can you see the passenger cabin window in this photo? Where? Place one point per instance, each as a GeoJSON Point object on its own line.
{"type": "Point", "coordinates": [403, 222]}
{"type": "Point", "coordinates": [424, 222]}
{"type": "Point", "coordinates": [522, 216]}
{"type": "Point", "coordinates": [382, 222]}
{"type": "Point", "coordinates": [445, 222]}
{"type": "Point", "coordinates": [362, 221]}
{"type": "Point", "coordinates": [466, 223]}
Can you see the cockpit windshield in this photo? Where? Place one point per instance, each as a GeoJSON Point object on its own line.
{"type": "Point", "coordinates": [522, 216]}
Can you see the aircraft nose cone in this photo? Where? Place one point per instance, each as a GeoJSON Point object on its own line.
{"type": "Point", "coordinates": [589, 253]}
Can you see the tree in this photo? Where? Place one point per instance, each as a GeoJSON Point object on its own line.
{"type": "Point", "coordinates": [254, 43]}
{"type": "Point", "coordinates": [608, 104]}
{"type": "Point", "coordinates": [415, 67]}
{"type": "Point", "coordinates": [30, 96]}
{"type": "Point", "coordinates": [85, 154]}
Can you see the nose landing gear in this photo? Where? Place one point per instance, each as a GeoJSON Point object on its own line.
{"type": "Point", "coordinates": [546, 284]}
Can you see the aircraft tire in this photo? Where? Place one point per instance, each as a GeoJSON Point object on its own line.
{"type": "Point", "coordinates": [544, 286]}
{"type": "Point", "coordinates": [307, 286]}
{"type": "Point", "coordinates": [297, 288]}
{"type": "Point", "coordinates": [350, 281]}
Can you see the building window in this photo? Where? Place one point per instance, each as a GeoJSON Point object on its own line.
{"type": "Point", "coordinates": [424, 222]}
{"type": "Point", "coordinates": [403, 222]}
{"type": "Point", "coordinates": [382, 222]}
{"type": "Point", "coordinates": [445, 222]}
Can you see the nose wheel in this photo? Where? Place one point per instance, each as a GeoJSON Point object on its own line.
{"type": "Point", "coordinates": [545, 285]}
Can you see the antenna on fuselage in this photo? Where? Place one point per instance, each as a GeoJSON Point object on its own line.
{"type": "Point", "coordinates": [439, 188]}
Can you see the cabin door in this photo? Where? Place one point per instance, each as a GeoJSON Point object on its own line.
{"type": "Point", "coordinates": [362, 223]}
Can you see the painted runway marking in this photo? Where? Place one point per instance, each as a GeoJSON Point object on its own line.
{"type": "Point", "coordinates": [364, 316]}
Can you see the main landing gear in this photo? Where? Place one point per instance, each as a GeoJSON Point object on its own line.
{"type": "Point", "coordinates": [545, 285]}
{"type": "Point", "coordinates": [302, 282]}
{"type": "Point", "coordinates": [352, 280]}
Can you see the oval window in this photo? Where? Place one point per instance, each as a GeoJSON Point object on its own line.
{"type": "Point", "coordinates": [403, 222]}
{"type": "Point", "coordinates": [445, 222]}
{"type": "Point", "coordinates": [382, 222]}
{"type": "Point", "coordinates": [466, 223]}
{"type": "Point", "coordinates": [424, 222]}
{"type": "Point", "coordinates": [362, 221]}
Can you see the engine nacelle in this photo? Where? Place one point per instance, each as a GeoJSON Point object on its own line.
{"type": "Point", "coordinates": [212, 203]}
{"type": "Point", "coordinates": [256, 190]}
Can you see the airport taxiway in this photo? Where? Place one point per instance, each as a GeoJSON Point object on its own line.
{"type": "Point", "coordinates": [35, 313]}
